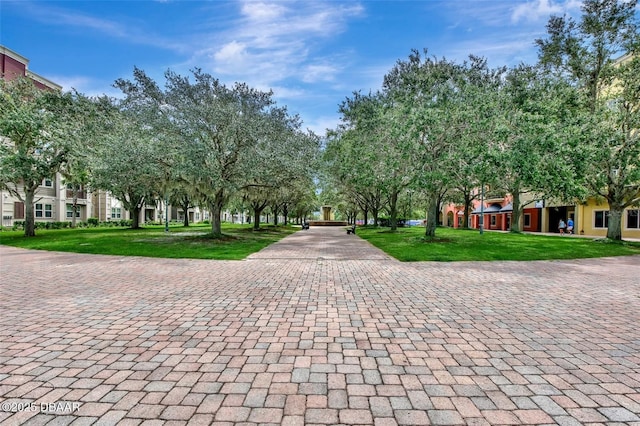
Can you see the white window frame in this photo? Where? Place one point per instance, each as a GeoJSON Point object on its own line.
{"type": "Point", "coordinates": [626, 216]}
{"type": "Point", "coordinates": [43, 211]}
{"type": "Point", "coordinates": [47, 182]}
{"type": "Point", "coordinates": [116, 213]}
{"type": "Point", "coordinates": [605, 219]}
{"type": "Point", "coordinates": [527, 220]}
{"type": "Point", "coordinates": [70, 211]}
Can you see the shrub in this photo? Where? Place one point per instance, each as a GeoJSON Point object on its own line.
{"type": "Point", "coordinates": [93, 221]}
{"type": "Point", "coordinates": [60, 225]}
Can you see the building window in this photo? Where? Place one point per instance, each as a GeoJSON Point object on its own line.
{"type": "Point", "coordinates": [601, 219]}
{"type": "Point", "coordinates": [633, 219]}
{"type": "Point", "coordinates": [48, 183]}
{"type": "Point", "coordinates": [116, 213]}
{"type": "Point", "coordinates": [197, 216]}
{"type": "Point", "coordinates": [70, 211]}
{"type": "Point", "coordinates": [44, 210]}
{"type": "Point", "coordinates": [527, 220]}
{"type": "Point", "coordinates": [493, 220]}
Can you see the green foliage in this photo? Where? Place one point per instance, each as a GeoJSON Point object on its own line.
{"type": "Point", "coordinates": [34, 129]}
{"type": "Point", "coordinates": [92, 222]}
{"type": "Point", "coordinates": [599, 55]}
{"type": "Point", "coordinates": [219, 141]}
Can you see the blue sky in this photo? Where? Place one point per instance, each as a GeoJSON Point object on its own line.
{"type": "Point", "coordinates": [312, 54]}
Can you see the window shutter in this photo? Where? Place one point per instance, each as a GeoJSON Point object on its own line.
{"type": "Point", "coordinates": [18, 210]}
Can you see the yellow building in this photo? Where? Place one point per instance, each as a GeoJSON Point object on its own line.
{"type": "Point", "coordinates": [592, 218]}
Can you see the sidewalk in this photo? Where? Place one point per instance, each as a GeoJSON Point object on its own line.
{"type": "Point", "coordinates": [322, 242]}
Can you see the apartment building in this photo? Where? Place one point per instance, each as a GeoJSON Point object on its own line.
{"type": "Point", "coordinates": [54, 200]}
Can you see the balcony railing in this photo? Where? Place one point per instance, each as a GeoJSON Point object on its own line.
{"type": "Point", "coordinates": [82, 195]}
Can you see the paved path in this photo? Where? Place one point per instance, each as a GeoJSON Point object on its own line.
{"type": "Point", "coordinates": [318, 243]}
{"type": "Point", "coordinates": [298, 335]}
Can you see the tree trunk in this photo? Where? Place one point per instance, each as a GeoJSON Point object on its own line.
{"type": "Point", "coordinates": [256, 217]}
{"type": "Point", "coordinates": [276, 211]}
{"type": "Point", "coordinates": [375, 217]}
{"type": "Point", "coordinates": [216, 222]}
{"type": "Point", "coordinates": [185, 209]}
{"type": "Point", "coordinates": [439, 206]}
{"type": "Point", "coordinates": [216, 211]}
{"type": "Point", "coordinates": [614, 229]}
{"type": "Point", "coordinates": [515, 213]}
{"type": "Point", "coordinates": [285, 213]}
{"type": "Point", "coordinates": [74, 206]}
{"type": "Point", "coordinates": [432, 217]}
{"type": "Point", "coordinates": [393, 210]}
{"type": "Point", "coordinates": [366, 216]}
{"type": "Point", "coordinates": [29, 217]}
{"type": "Point", "coordinates": [135, 217]}
{"type": "Point", "coordinates": [467, 207]}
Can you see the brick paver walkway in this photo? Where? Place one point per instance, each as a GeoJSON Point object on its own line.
{"type": "Point", "coordinates": [318, 329]}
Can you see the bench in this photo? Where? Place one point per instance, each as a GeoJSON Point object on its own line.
{"type": "Point", "coordinates": [351, 230]}
{"type": "Point", "coordinates": [305, 225]}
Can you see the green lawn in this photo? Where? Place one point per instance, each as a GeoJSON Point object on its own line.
{"type": "Point", "coordinates": [195, 242]}
{"type": "Point", "coordinates": [408, 244]}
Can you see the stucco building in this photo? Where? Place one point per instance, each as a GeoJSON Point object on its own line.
{"type": "Point", "coordinates": [54, 200]}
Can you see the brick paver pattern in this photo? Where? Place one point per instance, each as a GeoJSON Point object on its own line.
{"type": "Point", "coordinates": [320, 328]}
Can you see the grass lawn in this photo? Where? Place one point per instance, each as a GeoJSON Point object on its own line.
{"type": "Point", "coordinates": [194, 242]}
{"type": "Point", "coordinates": [408, 244]}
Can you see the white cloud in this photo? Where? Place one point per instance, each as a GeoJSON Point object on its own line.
{"type": "Point", "coordinates": [542, 9]}
{"type": "Point", "coordinates": [319, 125]}
{"type": "Point", "coordinates": [232, 52]}
{"type": "Point", "coordinates": [274, 41]}
{"type": "Point", "coordinates": [314, 73]}
{"type": "Point", "coordinates": [260, 11]}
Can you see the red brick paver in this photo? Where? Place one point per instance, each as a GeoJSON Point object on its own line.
{"type": "Point", "coordinates": [320, 328]}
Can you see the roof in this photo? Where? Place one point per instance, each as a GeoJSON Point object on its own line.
{"type": "Point", "coordinates": [493, 208]}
